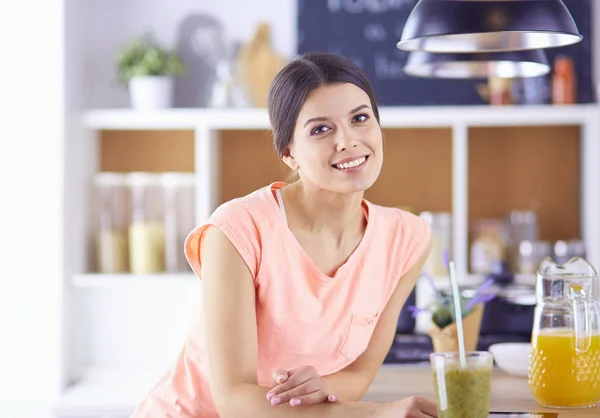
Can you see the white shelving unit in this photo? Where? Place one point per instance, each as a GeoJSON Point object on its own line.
{"type": "Point", "coordinates": [207, 124]}
{"type": "Point", "coordinates": [98, 389]}
{"type": "Point", "coordinates": [89, 280]}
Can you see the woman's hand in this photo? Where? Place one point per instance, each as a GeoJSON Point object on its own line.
{"type": "Point", "coordinates": [302, 386]}
{"type": "Point", "coordinates": [413, 407]}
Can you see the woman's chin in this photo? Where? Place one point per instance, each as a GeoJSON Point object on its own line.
{"type": "Point", "coordinates": [351, 186]}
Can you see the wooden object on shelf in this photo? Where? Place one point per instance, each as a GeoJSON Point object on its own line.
{"type": "Point", "coordinates": [247, 162]}
{"type": "Point", "coordinates": [416, 170]}
{"type": "Point", "coordinates": [527, 168]}
{"type": "Point", "coordinates": [446, 339]}
{"type": "Point", "coordinates": [147, 150]}
{"type": "Point", "coordinates": [258, 64]}
{"type": "Point", "coordinates": [497, 91]}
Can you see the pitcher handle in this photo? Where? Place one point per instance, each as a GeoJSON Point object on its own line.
{"type": "Point", "coordinates": [581, 318]}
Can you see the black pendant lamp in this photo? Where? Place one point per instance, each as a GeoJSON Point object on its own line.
{"type": "Point", "coordinates": [514, 64]}
{"type": "Point", "coordinates": [488, 26]}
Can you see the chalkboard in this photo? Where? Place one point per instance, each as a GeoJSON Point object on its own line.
{"type": "Point", "coordinates": [367, 31]}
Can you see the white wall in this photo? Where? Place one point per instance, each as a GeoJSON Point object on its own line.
{"type": "Point", "coordinates": [239, 17]}
{"type": "Point", "coordinates": [130, 18]}
{"type": "Point", "coordinates": [32, 112]}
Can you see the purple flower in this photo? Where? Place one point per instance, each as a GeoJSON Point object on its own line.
{"type": "Point", "coordinates": [481, 296]}
{"type": "Point", "coordinates": [486, 285]}
{"type": "Point", "coordinates": [415, 310]}
{"type": "Point", "coordinates": [446, 258]}
{"type": "Point", "coordinates": [479, 299]}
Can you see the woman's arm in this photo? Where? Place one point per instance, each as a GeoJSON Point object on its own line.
{"type": "Point", "coordinates": [231, 338]}
{"type": "Point", "coordinates": [352, 382]}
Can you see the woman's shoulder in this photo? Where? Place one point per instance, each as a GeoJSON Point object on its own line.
{"type": "Point", "coordinates": [405, 235]}
{"type": "Point", "coordinates": [394, 219]}
{"type": "Point", "coordinates": [253, 205]}
{"type": "Point", "coordinates": [243, 220]}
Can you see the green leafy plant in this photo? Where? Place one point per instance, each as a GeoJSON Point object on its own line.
{"type": "Point", "coordinates": [145, 56]}
{"type": "Point", "coordinates": [441, 307]}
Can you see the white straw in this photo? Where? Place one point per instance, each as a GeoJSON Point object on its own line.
{"type": "Point", "coordinates": [458, 315]}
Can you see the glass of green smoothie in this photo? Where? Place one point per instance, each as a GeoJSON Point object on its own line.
{"type": "Point", "coordinates": [462, 391]}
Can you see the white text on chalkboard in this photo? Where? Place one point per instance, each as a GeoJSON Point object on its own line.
{"type": "Point", "coordinates": [371, 6]}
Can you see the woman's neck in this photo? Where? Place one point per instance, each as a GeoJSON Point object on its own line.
{"type": "Point", "coordinates": [320, 211]}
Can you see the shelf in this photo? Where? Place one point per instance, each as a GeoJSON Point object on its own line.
{"type": "Point", "coordinates": [443, 282]}
{"type": "Point", "coordinates": [111, 119]}
{"type": "Point", "coordinates": [110, 280]}
{"type": "Point", "coordinates": [113, 394]}
{"type": "Point", "coordinates": [391, 117]}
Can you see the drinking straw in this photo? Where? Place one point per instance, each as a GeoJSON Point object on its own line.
{"type": "Point", "coordinates": [458, 315]}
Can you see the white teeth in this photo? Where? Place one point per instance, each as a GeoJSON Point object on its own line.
{"type": "Point", "coordinates": [352, 163]}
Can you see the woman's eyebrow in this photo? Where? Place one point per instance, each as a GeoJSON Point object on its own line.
{"type": "Point", "coordinates": [323, 119]}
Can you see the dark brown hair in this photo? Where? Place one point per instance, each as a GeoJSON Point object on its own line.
{"type": "Point", "coordinates": [292, 85]}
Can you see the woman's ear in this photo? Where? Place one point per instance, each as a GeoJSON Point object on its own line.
{"type": "Point", "coordinates": [289, 160]}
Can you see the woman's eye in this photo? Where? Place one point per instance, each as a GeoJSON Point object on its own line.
{"type": "Point", "coordinates": [319, 130]}
{"type": "Point", "coordinates": [360, 118]}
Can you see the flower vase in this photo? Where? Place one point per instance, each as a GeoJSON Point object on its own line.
{"type": "Point", "coordinates": [151, 92]}
{"type": "Point", "coordinates": [446, 339]}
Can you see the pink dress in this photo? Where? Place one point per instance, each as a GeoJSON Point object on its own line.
{"type": "Point", "coordinates": [304, 317]}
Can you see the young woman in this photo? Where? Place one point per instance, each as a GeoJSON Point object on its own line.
{"type": "Point", "coordinates": [303, 282]}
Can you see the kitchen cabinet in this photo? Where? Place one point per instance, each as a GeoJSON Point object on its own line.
{"type": "Point", "coordinates": [475, 162]}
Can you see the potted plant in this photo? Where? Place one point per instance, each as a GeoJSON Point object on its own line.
{"type": "Point", "coordinates": [148, 68]}
{"type": "Point", "coordinates": [443, 331]}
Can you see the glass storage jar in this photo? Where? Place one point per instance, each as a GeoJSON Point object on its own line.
{"type": "Point", "coordinates": [147, 230]}
{"type": "Point", "coordinates": [179, 204]}
{"type": "Point", "coordinates": [112, 254]}
{"type": "Point", "coordinates": [441, 229]}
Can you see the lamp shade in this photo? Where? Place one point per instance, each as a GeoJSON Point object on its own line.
{"type": "Point", "coordinates": [516, 64]}
{"type": "Point", "coordinates": [488, 26]}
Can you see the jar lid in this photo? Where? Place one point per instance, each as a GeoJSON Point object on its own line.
{"type": "Point", "coordinates": [522, 216]}
{"type": "Point", "coordinates": [177, 179]}
{"type": "Point", "coordinates": [141, 179]}
{"type": "Point", "coordinates": [108, 178]}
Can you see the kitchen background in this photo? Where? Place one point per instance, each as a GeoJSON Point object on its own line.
{"type": "Point", "coordinates": [88, 321]}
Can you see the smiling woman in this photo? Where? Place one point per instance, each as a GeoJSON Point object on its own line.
{"type": "Point", "coordinates": [303, 282]}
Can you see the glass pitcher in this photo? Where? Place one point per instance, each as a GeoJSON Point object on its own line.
{"type": "Point", "coordinates": [564, 367]}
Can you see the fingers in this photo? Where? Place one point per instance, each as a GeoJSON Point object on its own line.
{"type": "Point", "coordinates": [302, 386]}
{"type": "Point", "coordinates": [428, 407]}
{"type": "Point", "coordinates": [307, 393]}
{"type": "Point", "coordinates": [313, 398]}
{"type": "Point", "coordinates": [280, 375]}
{"type": "Point", "coordinates": [292, 380]}
{"type": "Point", "coordinates": [422, 407]}
{"type": "Point", "coordinates": [295, 381]}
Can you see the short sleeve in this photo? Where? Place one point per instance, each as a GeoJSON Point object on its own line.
{"type": "Point", "coordinates": [238, 225]}
{"type": "Point", "coordinates": [416, 236]}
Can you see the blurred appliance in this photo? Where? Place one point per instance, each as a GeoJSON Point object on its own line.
{"type": "Point", "coordinates": [507, 318]}
{"type": "Point", "coordinates": [510, 312]}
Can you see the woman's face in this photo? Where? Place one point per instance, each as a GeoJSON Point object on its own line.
{"type": "Point", "coordinates": [337, 143]}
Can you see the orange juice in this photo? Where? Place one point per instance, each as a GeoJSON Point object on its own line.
{"type": "Point", "coordinates": [561, 377]}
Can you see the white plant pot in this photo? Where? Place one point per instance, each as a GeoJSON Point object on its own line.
{"type": "Point", "coordinates": [151, 92]}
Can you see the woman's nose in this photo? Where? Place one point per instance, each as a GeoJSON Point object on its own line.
{"type": "Point", "coordinates": [345, 141]}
